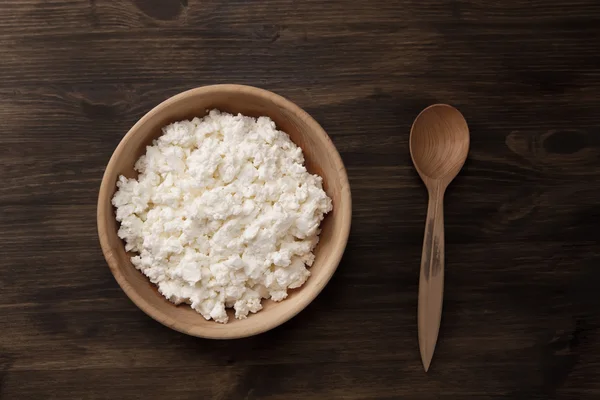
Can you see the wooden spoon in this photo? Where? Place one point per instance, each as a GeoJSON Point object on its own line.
{"type": "Point", "coordinates": [439, 143]}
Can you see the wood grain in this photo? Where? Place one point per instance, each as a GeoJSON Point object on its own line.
{"type": "Point", "coordinates": [521, 310]}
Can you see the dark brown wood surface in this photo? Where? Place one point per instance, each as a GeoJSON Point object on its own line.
{"type": "Point", "coordinates": [522, 300]}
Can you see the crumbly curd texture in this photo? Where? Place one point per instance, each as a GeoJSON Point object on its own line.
{"type": "Point", "coordinates": [223, 214]}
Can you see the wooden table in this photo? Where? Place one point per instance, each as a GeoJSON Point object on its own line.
{"type": "Point", "coordinates": [521, 312]}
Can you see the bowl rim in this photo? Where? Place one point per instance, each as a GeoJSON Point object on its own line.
{"type": "Point", "coordinates": [107, 186]}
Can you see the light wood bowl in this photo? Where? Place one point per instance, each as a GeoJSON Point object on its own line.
{"type": "Point", "coordinates": [321, 158]}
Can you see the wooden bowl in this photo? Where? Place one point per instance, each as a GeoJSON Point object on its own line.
{"type": "Point", "coordinates": [321, 158]}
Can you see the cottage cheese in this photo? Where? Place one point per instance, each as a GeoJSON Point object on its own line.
{"type": "Point", "coordinates": [222, 214]}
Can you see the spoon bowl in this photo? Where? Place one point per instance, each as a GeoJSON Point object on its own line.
{"type": "Point", "coordinates": [439, 143]}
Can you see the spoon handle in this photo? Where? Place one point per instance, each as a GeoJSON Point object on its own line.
{"type": "Point", "coordinates": [431, 282]}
